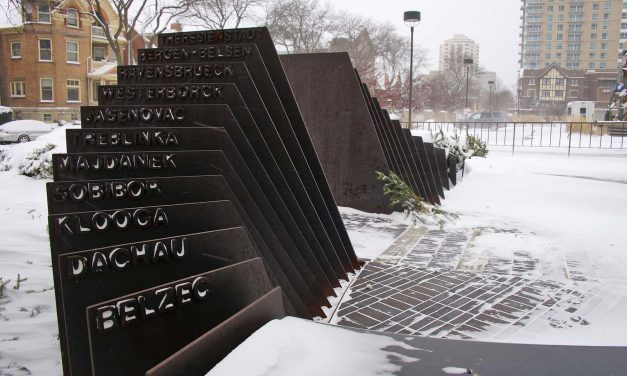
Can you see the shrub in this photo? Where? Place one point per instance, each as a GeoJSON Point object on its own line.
{"type": "Point", "coordinates": [414, 206]}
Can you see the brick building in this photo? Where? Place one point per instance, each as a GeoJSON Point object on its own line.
{"type": "Point", "coordinates": [52, 58]}
{"type": "Point", "coordinates": [570, 50]}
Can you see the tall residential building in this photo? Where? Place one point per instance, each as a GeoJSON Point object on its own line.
{"type": "Point", "coordinates": [53, 57]}
{"type": "Point", "coordinates": [453, 52]}
{"type": "Point", "coordinates": [570, 50]}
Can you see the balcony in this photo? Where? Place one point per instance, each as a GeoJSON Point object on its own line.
{"type": "Point", "coordinates": [98, 33]}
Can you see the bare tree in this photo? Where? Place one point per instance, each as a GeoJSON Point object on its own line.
{"type": "Point", "coordinates": [301, 26]}
{"type": "Point", "coordinates": [218, 14]}
{"type": "Point", "coordinates": [135, 17]}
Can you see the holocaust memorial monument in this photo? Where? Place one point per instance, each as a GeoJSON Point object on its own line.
{"type": "Point", "coordinates": [198, 201]}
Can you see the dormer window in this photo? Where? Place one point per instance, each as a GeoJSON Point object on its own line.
{"type": "Point", "coordinates": [28, 12]}
{"type": "Point", "coordinates": [72, 18]}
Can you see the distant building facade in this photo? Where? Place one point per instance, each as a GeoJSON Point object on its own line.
{"type": "Point", "coordinates": [53, 57]}
{"type": "Point", "coordinates": [455, 50]}
{"type": "Point", "coordinates": [570, 50]}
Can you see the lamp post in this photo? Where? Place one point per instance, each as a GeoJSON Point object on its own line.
{"type": "Point", "coordinates": [490, 83]}
{"type": "Point", "coordinates": [467, 64]}
{"type": "Point", "coordinates": [411, 18]}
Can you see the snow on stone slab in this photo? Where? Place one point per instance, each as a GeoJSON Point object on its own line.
{"type": "Point", "coordinates": [5, 110]}
{"type": "Point", "coordinates": [294, 346]}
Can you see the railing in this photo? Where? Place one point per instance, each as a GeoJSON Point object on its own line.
{"type": "Point", "coordinates": [97, 32]}
{"type": "Point", "coordinates": [571, 135]}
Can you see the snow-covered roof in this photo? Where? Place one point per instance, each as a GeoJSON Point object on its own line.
{"type": "Point", "coordinates": [102, 70]}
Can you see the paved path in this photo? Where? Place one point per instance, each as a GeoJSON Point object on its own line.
{"type": "Point", "coordinates": [421, 285]}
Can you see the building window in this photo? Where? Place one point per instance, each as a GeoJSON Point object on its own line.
{"type": "Point", "coordinates": [531, 93]}
{"type": "Point", "coordinates": [603, 35]}
{"type": "Point", "coordinates": [595, 6]}
{"type": "Point", "coordinates": [593, 46]}
{"type": "Point", "coordinates": [45, 50]}
{"type": "Point", "coordinates": [592, 55]}
{"type": "Point", "coordinates": [593, 26]}
{"type": "Point", "coordinates": [606, 16]}
{"type": "Point", "coordinates": [558, 46]}
{"type": "Point", "coordinates": [560, 8]}
{"type": "Point", "coordinates": [17, 89]}
{"type": "Point", "coordinates": [547, 55]}
{"type": "Point", "coordinates": [43, 12]}
{"type": "Point", "coordinates": [573, 93]}
{"type": "Point", "coordinates": [559, 94]}
{"type": "Point", "coordinates": [73, 90]}
{"type": "Point", "coordinates": [560, 27]}
{"type": "Point", "coordinates": [16, 50]}
{"type": "Point", "coordinates": [606, 25]}
{"type": "Point", "coordinates": [603, 55]}
{"type": "Point", "coordinates": [595, 16]}
{"type": "Point", "coordinates": [560, 18]}
{"type": "Point", "coordinates": [593, 36]}
{"type": "Point", "coordinates": [559, 81]}
{"type": "Point", "coordinates": [46, 90]}
{"type": "Point", "coordinates": [532, 81]}
{"type": "Point", "coordinates": [602, 65]}
{"type": "Point", "coordinates": [607, 6]}
{"type": "Point", "coordinates": [604, 46]}
{"type": "Point", "coordinates": [549, 46]}
{"type": "Point", "coordinates": [546, 81]}
{"type": "Point", "coordinates": [574, 82]}
{"type": "Point", "coordinates": [71, 18]}
{"type": "Point", "coordinates": [99, 53]}
{"type": "Point", "coordinates": [74, 116]}
{"type": "Point", "coordinates": [560, 37]}
{"type": "Point", "coordinates": [558, 55]}
{"type": "Point", "coordinates": [71, 51]}
{"type": "Point", "coordinates": [591, 65]}
{"type": "Point", "coordinates": [47, 118]}
{"type": "Point", "coordinates": [28, 12]}
{"type": "Point", "coordinates": [545, 94]}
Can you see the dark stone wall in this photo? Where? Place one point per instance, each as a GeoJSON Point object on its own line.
{"type": "Point", "coordinates": [340, 126]}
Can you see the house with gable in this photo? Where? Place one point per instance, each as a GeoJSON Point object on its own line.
{"type": "Point", "coordinates": [53, 56]}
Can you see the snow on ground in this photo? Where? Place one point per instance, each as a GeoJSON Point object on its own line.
{"type": "Point", "coordinates": [283, 346]}
{"type": "Point", "coordinates": [561, 207]}
{"type": "Point", "coordinates": [567, 212]}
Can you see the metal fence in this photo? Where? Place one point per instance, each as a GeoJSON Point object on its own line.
{"type": "Point", "coordinates": [571, 135]}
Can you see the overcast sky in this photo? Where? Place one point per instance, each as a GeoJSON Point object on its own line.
{"type": "Point", "coordinates": [494, 24]}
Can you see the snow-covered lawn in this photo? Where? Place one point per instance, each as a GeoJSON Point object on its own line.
{"type": "Point", "coordinates": [561, 208]}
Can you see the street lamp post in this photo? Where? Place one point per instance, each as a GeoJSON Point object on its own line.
{"type": "Point", "coordinates": [411, 18]}
{"type": "Point", "coordinates": [490, 83]}
{"type": "Point", "coordinates": [467, 64]}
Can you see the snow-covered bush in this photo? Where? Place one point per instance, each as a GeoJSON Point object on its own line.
{"type": "Point", "coordinates": [33, 158]}
{"type": "Point", "coordinates": [459, 146]}
{"type": "Point", "coordinates": [414, 206]}
{"type": "Point", "coordinates": [38, 164]}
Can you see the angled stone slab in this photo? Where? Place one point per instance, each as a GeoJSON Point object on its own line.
{"type": "Point", "coordinates": [282, 264]}
{"type": "Point", "coordinates": [86, 277]}
{"type": "Point", "coordinates": [421, 159]}
{"type": "Point", "coordinates": [401, 148]}
{"type": "Point", "coordinates": [384, 138]}
{"type": "Point", "coordinates": [261, 38]}
{"type": "Point", "coordinates": [435, 170]}
{"type": "Point", "coordinates": [200, 356]}
{"type": "Point", "coordinates": [292, 135]}
{"type": "Point", "coordinates": [340, 127]}
{"type": "Point", "coordinates": [219, 120]}
{"type": "Point", "coordinates": [133, 333]}
{"type": "Point", "coordinates": [92, 195]}
{"type": "Point", "coordinates": [440, 156]}
{"type": "Point", "coordinates": [231, 164]}
{"type": "Point", "coordinates": [268, 114]}
{"type": "Point", "coordinates": [264, 138]}
{"type": "Point", "coordinates": [451, 162]}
